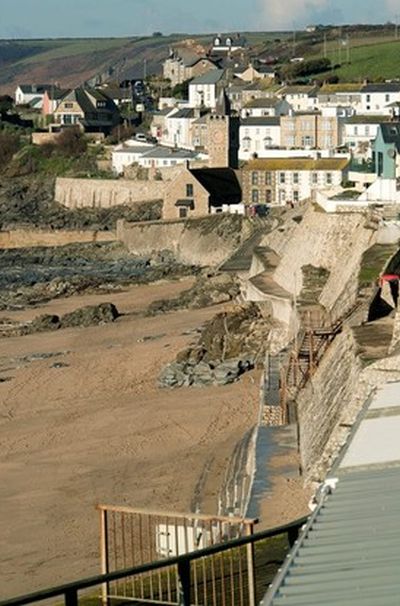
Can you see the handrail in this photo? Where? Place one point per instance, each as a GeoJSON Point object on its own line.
{"type": "Point", "coordinates": [70, 590]}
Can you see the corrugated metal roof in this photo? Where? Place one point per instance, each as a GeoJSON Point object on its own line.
{"type": "Point", "coordinates": [349, 552]}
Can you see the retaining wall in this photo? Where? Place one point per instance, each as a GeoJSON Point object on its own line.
{"type": "Point", "coordinates": [27, 238]}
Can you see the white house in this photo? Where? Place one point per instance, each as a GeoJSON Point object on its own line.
{"type": "Point", "coordinates": [301, 97]}
{"type": "Point", "coordinates": [178, 128]}
{"type": "Point", "coordinates": [128, 153]}
{"type": "Point", "coordinates": [258, 135]}
{"type": "Point", "coordinates": [376, 98]}
{"type": "Point", "coordinates": [162, 157]}
{"type": "Point", "coordinates": [359, 131]}
{"type": "Point", "coordinates": [228, 44]}
{"type": "Point", "coordinates": [26, 93]}
{"type": "Point", "coordinates": [266, 106]}
{"type": "Point", "coordinates": [203, 91]}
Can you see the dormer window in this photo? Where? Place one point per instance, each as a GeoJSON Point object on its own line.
{"type": "Point", "coordinates": [100, 104]}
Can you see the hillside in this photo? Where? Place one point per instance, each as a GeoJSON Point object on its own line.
{"type": "Point", "coordinates": [70, 62]}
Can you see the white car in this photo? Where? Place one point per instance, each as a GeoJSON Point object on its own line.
{"type": "Point", "coordinates": [141, 137]}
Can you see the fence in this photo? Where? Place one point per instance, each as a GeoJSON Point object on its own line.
{"type": "Point", "coordinates": [267, 558]}
{"type": "Point", "coordinates": [131, 537]}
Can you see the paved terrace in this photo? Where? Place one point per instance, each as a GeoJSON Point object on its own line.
{"type": "Point", "coordinates": [349, 552]}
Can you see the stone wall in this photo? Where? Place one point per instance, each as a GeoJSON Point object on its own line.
{"type": "Point", "coordinates": [206, 242]}
{"type": "Point", "coordinates": [322, 404]}
{"type": "Point", "coordinates": [27, 238]}
{"type": "Point", "coordinates": [104, 193]}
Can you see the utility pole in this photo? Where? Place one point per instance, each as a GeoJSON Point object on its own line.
{"type": "Point", "coordinates": [325, 47]}
{"type": "Point", "coordinates": [348, 48]}
{"type": "Point", "coordinates": [144, 69]}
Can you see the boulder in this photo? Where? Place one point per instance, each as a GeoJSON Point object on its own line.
{"type": "Point", "coordinates": [92, 315]}
{"type": "Point", "coordinates": [44, 323]}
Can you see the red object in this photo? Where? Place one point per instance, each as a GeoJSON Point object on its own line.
{"type": "Point", "coordinates": [388, 278]}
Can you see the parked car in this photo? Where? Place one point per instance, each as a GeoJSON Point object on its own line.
{"type": "Point", "coordinates": [141, 137]}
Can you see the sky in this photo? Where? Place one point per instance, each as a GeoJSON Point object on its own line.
{"type": "Point", "coordinates": [92, 18]}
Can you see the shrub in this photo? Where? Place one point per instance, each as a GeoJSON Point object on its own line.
{"type": "Point", "coordinates": [9, 145]}
{"type": "Point", "coordinates": [71, 142]}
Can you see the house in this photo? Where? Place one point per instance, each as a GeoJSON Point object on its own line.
{"type": "Point", "coordinates": [337, 95]}
{"type": "Point", "coordinates": [199, 192]}
{"type": "Point", "coordinates": [158, 126]}
{"type": "Point", "coordinates": [25, 93]}
{"type": "Point", "coordinates": [183, 65]}
{"type": "Point", "coordinates": [228, 44]}
{"type": "Point", "coordinates": [376, 98]}
{"type": "Point", "coordinates": [178, 127]}
{"type": "Point", "coordinates": [301, 97]}
{"type": "Point", "coordinates": [266, 106]}
{"type": "Point", "coordinates": [89, 108]}
{"type": "Point", "coordinates": [128, 153]}
{"type": "Point", "coordinates": [257, 135]}
{"type": "Point", "coordinates": [255, 72]}
{"type": "Point", "coordinates": [386, 151]}
{"type": "Point", "coordinates": [120, 96]}
{"type": "Point", "coordinates": [258, 90]}
{"type": "Point", "coordinates": [235, 94]}
{"type": "Point", "coordinates": [311, 130]}
{"type": "Point", "coordinates": [204, 90]}
{"type": "Point", "coordinates": [52, 98]}
{"type": "Point", "coordinates": [164, 157]}
{"type": "Point", "coordinates": [360, 131]}
{"type": "Point", "coordinates": [280, 181]}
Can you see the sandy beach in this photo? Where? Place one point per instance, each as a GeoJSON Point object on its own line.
{"type": "Point", "coordinates": [89, 425]}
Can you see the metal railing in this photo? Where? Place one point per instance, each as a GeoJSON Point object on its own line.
{"type": "Point", "coordinates": [70, 591]}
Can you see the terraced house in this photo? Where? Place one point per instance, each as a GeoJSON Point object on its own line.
{"type": "Point", "coordinates": [281, 181]}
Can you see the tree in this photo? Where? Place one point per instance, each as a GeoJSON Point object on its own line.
{"type": "Point", "coordinates": [181, 90]}
{"type": "Point", "coordinates": [6, 103]}
{"type": "Point", "coordinates": [71, 142]}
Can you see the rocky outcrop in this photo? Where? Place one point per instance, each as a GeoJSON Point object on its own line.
{"type": "Point", "coordinates": [231, 344]}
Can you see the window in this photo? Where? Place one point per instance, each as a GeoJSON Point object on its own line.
{"type": "Point", "coordinates": [307, 141]}
{"type": "Point", "coordinates": [387, 98]}
{"type": "Point", "coordinates": [254, 177]}
{"type": "Point", "coordinates": [356, 130]}
{"type": "Point", "coordinates": [267, 142]}
{"type": "Point", "coordinates": [368, 99]}
{"type": "Point", "coordinates": [268, 178]}
{"type": "Point", "coordinates": [254, 196]}
{"type": "Point", "coordinates": [246, 143]}
{"type": "Point", "coordinates": [189, 190]}
{"type": "Point", "coordinates": [380, 164]}
{"type": "Point", "coordinates": [295, 177]}
{"type": "Point", "coordinates": [290, 141]}
{"type": "Point", "coordinates": [282, 178]}
{"type": "Point", "coordinates": [328, 178]}
{"type": "Point", "coordinates": [268, 196]}
{"type": "Point", "coordinates": [282, 196]}
{"type": "Point", "coordinates": [296, 196]}
{"type": "Point", "coordinates": [367, 131]}
{"type": "Point", "coordinates": [68, 105]}
{"type": "Point", "coordinates": [314, 178]}
{"type": "Point", "coordinates": [183, 212]}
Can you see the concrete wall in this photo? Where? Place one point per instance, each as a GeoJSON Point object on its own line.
{"type": "Point", "coordinates": [334, 242]}
{"type": "Point", "coordinates": [103, 193]}
{"type": "Point", "coordinates": [26, 238]}
{"type": "Point", "coordinates": [206, 241]}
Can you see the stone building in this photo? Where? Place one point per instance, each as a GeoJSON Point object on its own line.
{"type": "Point", "coordinates": [199, 192]}
{"type": "Point", "coordinates": [223, 135]}
{"type": "Point", "coordinates": [281, 181]}
{"type": "Point", "coordinates": [181, 66]}
{"type": "Point", "coordinates": [312, 130]}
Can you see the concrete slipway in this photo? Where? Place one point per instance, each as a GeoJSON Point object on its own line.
{"type": "Point", "coordinates": [349, 551]}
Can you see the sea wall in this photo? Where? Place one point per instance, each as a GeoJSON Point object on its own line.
{"type": "Point", "coordinates": [27, 238]}
{"type": "Point", "coordinates": [322, 404]}
{"type": "Point", "coordinates": [104, 193]}
{"type": "Point", "coordinates": [333, 242]}
{"type": "Point", "coordinates": [206, 241]}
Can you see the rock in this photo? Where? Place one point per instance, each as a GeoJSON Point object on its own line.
{"type": "Point", "coordinates": [44, 323]}
{"type": "Point", "coordinates": [172, 376]}
{"type": "Point", "coordinates": [92, 315]}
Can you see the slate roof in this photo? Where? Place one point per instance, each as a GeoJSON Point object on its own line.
{"type": "Point", "coordinates": [310, 91]}
{"type": "Point", "coordinates": [261, 121]}
{"type": "Point", "coordinates": [32, 89]}
{"type": "Point", "coordinates": [211, 77]}
{"type": "Point", "coordinates": [221, 183]}
{"type": "Point", "coordinates": [359, 119]}
{"type": "Point", "coordinates": [384, 87]}
{"type": "Point", "coordinates": [391, 133]}
{"type": "Point", "coordinates": [170, 153]}
{"type": "Point", "coordinates": [349, 552]}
